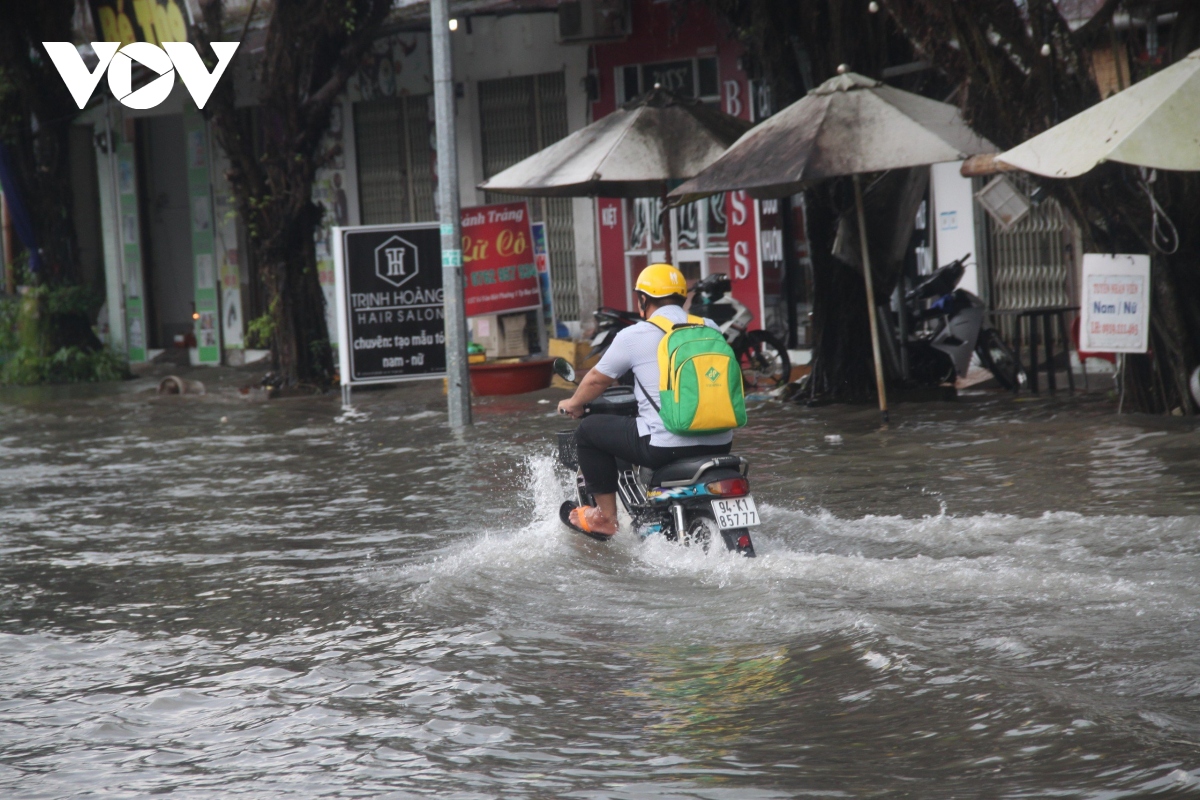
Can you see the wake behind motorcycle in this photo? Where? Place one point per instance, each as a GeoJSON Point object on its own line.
{"type": "Point", "coordinates": [693, 501]}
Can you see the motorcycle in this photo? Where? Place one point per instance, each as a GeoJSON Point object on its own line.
{"type": "Point", "coordinates": [764, 359]}
{"type": "Point", "coordinates": [935, 355]}
{"type": "Point", "coordinates": [693, 501]}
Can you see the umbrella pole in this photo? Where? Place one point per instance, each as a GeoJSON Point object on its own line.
{"type": "Point", "coordinates": [871, 314]}
{"type": "Point", "coordinates": [666, 223]}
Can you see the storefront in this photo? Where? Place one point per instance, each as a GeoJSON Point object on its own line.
{"type": "Point", "coordinates": [166, 253]}
{"type": "Point", "coordinates": [730, 233]}
{"type": "Point", "coordinates": [176, 273]}
{"type": "Point", "coordinates": [175, 258]}
{"type": "Point", "coordinates": [518, 90]}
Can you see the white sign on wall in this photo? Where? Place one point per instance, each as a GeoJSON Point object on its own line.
{"type": "Point", "coordinates": [1116, 304]}
{"type": "Point", "coordinates": [954, 229]}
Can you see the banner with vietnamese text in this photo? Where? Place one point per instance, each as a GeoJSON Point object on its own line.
{"type": "Point", "coordinates": [499, 269]}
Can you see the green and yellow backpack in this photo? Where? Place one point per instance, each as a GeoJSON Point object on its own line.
{"type": "Point", "coordinates": [700, 383]}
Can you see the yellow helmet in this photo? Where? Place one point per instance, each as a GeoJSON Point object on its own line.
{"type": "Point", "coordinates": [661, 280]}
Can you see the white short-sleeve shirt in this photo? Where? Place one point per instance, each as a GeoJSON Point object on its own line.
{"type": "Point", "coordinates": [636, 348]}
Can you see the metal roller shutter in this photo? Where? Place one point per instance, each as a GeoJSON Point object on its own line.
{"type": "Point", "coordinates": [521, 116]}
{"type": "Point", "coordinates": [395, 160]}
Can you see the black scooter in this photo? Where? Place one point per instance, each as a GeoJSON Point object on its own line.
{"type": "Point", "coordinates": [693, 501]}
{"type": "Point", "coordinates": [934, 355]}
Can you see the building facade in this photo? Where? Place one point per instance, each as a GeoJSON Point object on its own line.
{"type": "Point", "coordinates": [175, 255]}
{"type": "Point", "coordinates": [683, 48]}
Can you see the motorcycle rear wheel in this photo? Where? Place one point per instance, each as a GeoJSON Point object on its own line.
{"type": "Point", "coordinates": [765, 361]}
{"type": "Point", "coordinates": [999, 359]}
{"type": "Point", "coordinates": [701, 530]}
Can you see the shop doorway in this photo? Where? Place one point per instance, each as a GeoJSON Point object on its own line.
{"type": "Point", "coordinates": [166, 231]}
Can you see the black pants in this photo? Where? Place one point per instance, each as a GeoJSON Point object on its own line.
{"type": "Point", "coordinates": [602, 439]}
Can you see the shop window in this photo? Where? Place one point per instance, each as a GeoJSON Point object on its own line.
{"type": "Point", "coordinates": [631, 83]}
{"type": "Point", "coordinates": [699, 237]}
{"type": "Point", "coordinates": [688, 234]}
{"type": "Point", "coordinates": [707, 84]}
{"type": "Point", "coordinates": [717, 227]}
{"type": "Point", "coordinates": [645, 224]}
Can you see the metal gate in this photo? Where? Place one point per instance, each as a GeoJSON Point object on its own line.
{"type": "Point", "coordinates": [1031, 264]}
{"type": "Point", "coordinates": [518, 117]}
{"type": "Point", "coordinates": [395, 160]}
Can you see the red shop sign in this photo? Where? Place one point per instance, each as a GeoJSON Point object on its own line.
{"type": "Point", "coordinates": [499, 269]}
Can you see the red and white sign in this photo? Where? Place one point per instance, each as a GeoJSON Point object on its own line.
{"type": "Point", "coordinates": [744, 262]}
{"type": "Point", "coordinates": [499, 264]}
{"type": "Point", "coordinates": [1116, 304]}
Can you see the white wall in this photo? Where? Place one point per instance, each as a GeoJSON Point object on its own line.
{"type": "Point", "coordinates": [954, 220]}
{"type": "Point", "coordinates": [523, 44]}
{"type": "Point", "coordinates": [495, 47]}
{"type": "Point", "coordinates": [504, 47]}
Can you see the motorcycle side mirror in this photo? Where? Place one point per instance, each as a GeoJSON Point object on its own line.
{"type": "Point", "coordinates": [564, 370]}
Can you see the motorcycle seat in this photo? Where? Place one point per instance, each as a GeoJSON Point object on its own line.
{"type": "Point", "coordinates": [689, 470]}
{"type": "Point", "coordinates": [942, 281]}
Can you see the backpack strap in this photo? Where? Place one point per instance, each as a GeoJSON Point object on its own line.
{"type": "Point", "coordinates": [662, 323]}
{"type": "Point", "coordinates": [649, 397]}
{"type": "Point", "coordinates": [666, 326]}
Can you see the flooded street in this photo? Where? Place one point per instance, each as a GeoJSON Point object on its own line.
{"type": "Point", "coordinates": [991, 598]}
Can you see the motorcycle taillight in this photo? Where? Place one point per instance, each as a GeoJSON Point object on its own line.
{"type": "Point", "coordinates": [730, 487]}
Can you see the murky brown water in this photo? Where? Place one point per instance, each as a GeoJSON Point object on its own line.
{"type": "Point", "coordinates": [989, 599]}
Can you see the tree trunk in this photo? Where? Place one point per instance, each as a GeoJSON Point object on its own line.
{"type": "Point", "coordinates": [312, 48]}
{"type": "Point", "coordinates": [842, 362]}
{"type": "Point", "coordinates": [1013, 92]}
{"type": "Point", "coordinates": [36, 112]}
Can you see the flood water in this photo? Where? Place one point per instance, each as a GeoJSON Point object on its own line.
{"type": "Point", "coordinates": [989, 599]}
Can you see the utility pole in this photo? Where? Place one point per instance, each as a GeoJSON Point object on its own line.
{"type": "Point", "coordinates": [458, 377]}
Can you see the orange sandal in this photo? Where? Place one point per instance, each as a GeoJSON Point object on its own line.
{"type": "Point", "coordinates": [576, 518]}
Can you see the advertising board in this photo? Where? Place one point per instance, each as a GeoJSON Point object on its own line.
{"type": "Point", "coordinates": [1116, 303]}
{"type": "Point", "coordinates": [541, 259]}
{"type": "Point", "coordinates": [388, 282]}
{"type": "Point", "coordinates": [499, 270]}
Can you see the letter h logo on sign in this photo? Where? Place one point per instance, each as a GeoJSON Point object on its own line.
{"type": "Point", "coordinates": [396, 261]}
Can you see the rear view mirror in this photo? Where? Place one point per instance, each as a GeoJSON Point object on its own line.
{"type": "Point", "coordinates": [564, 370]}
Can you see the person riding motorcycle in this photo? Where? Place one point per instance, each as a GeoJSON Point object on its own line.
{"type": "Point", "coordinates": [602, 439]}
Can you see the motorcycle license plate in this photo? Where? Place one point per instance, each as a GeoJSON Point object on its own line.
{"type": "Point", "coordinates": [736, 512]}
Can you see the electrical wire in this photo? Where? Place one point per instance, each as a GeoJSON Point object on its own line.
{"type": "Point", "coordinates": [1165, 239]}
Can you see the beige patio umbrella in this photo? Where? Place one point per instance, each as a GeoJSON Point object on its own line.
{"type": "Point", "coordinates": [649, 143]}
{"type": "Point", "coordinates": [1154, 123]}
{"type": "Point", "coordinates": [848, 125]}
{"type": "Point", "coordinates": [640, 150]}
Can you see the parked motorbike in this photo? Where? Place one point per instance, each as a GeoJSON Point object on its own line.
{"type": "Point", "coordinates": [693, 501]}
{"type": "Point", "coordinates": [934, 355]}
{"type": "Point", "coordinates": [764, 359]}
{"type": "Point", "coordinates": [610, 322]}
